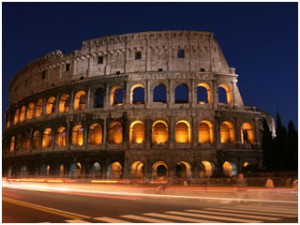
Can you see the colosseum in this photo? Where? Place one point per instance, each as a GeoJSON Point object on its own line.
{"type": "Point", "coordinates": [137, 106]}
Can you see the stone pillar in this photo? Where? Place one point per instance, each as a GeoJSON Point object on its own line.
{"type": "Point", "coordinates": [171, 132]}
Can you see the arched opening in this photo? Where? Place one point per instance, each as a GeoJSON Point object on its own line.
{"type": "Point", "coordinates": [80, 100]}
{"type": "Point", "coordinates": [61, 137]}
{"type": "Point", "coordinates": [8, 121]}
{"type": "Point", "coordinates": [247, 133]}
{"type": "Point", "coordinates": [45, 170]}
{"type": "Point", "coordinates": [137, 169]}
{"type": "Point", "coordinates": [160, 93]}
{"type": "Point", "coordinates": [229, 169]}
{"type": "Point", "coordinates": [95, 134]}
{"type": "Point", "coordinates": [50, 106]}
{"type": "Point", "coordinates": [183, 170]}
{"type": "Point", "coordinates": [61, 170]}
{"type": "Point", "coordinates": [24, 171]}
{"type": "Point", "coordinates": [115, 170]}
{"type": "Point", "coordinates": [182, 132]}
{"type": "Point", "coordinates": [224, 94]}
{"type": "Point", "coordinates": [160, 169]}
{"type": "Point", "coordinates": [205, 132]}
{"type": "Point", "coordinates": [30, 111]}
{"type": "Point", "coordinates": [203, 93]}
{"type": "Point", "coordinates": [16, 118]}
{"type": "Point", "coordinates": [47, 138]}
{"type": "Point", "coordinates": [181, 94]}
{"type": "Point", "coordinates": [137, 94]}
{"type": "Point", "coordinates": [75, 170]}
{"type": "Point", "coordinates": [159, 132]}
{"type": "Point", "coordinates": [36, 140]}
{"type": "Point", "coordinates": [117, 95]}
{"type": "Point", "coordinates": [78, 135]}
{"type": "Point", "coordinates": [96, 170]}
{"type": "Point", "coordinates": [64, 103]}
{"type": "Point", "coordinates": [22, 114]}
{"type": "Point", "coordinates": [25, 141]}
{"type": "Point", "coordinates": [99, 98]}
{"type": "Point", "coordinates": [39, 108]}
{"type": "Point", "coordinates": [137, 132]}
{"type": "Point", "coordinates": [226, 132]}
{"type": "Point", "coordinates": [206, 169]}
{"type": "Point", "coordinates": [12, 144]}
{"type": "Point", "coordinates": [115, 133]}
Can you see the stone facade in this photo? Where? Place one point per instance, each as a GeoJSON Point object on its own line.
{"type": "Point", "coordinates": [142, 105]}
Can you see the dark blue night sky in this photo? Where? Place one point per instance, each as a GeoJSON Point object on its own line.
{"type": "Point", "coordinates": [259, 39]}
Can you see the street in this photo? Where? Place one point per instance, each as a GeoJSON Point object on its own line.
{"type": "Point", "coordinates": [75, 203]}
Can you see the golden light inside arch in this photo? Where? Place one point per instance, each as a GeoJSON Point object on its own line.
{"type": "Point", "coordinates": [22, 113]}
{"type": "Point", "coordinates": [159, 132]}
{"type": "Point", "coordinates": [187, 167]}
{"type": "Point", "coordinates": [182, 132]}
{"type": "Point", "coordinates": [208, 168]}
{"type": "Point", "coordinates": [77, 100]}
{"type": "Point", "coordinates": [30, 111]}
{"type": "Point", "coordinates": [47, 138]}
{"type": "Point", "coordinates": [77, 135]}
{"type": "Point", "coordinates": [205, 132]}
{"type": "Point", "coordinates": [12, 144]}
{"type": "Point", "coordinates": [137, 169]}
{"type": "Point", "coordinates": [61, 137]}
{"type": "Point", "coordinates": [132, 91]}
{"type": "Point", "coordinates": [95, 134]}
{"type": "Point", "coordinates": [229, 168]}
{"type": "Point", "coordinates": [227, 132]}
{"type": "Point", "coordinates": [39, 108]}
{"type": "Point", "coordinates": [50, 106]}
{"type": "Point", "coordinates": [208, 90]}
{"type": "Point", "coordinates": [36, 140]}
{"type": "Point", "coordinates": [63, 103]}
{"type": "Point", "coordinates": [137, 132]}
{"type": "Point", "coordinates": [228, 93]}
{"type": "Point", "coordinates": [115, 133]}
{"type": "Point", "coordinates": [116, 170]}
{"type": "Point", "coordinates": [247, 134]}
{"type": "Point", "coordinates": [16, 118]}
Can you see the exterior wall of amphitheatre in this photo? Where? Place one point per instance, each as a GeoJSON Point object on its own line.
{"type": "Point", "coordinates": [171, 59]}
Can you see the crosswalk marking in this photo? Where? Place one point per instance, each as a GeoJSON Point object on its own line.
{"type": "Point", "coordinates": [190, 220]}
{"type": "Point", "coordinates": [234, 210]}
{"type": "Point", "coordinates": [146, 219]}
{"type": "Point", "coordinates": [110, 220]}
{"type": "Point", "coordinates": [222, 218]}
{"type": "Point", "coordinates": [271, 208]}
{"type": "Point", "coordinates": [255, 209]}
{"type": "Point", "coordinates": [235, 214]}
{"type": "Point", "coordinates": [76, 221]}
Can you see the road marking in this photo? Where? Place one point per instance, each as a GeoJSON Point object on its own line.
{"type": "Point", "coordinates": [269, 209]}
{"type": "Point", "coordinates": [145, 219]}
{"type": "Point", "coordinates": [222, 218]}
{"type": "Point", "coordinates": [45, 209]}
{"type": "Point", "coordinates": [76, 221]}
{"type": "Point", "coordinates": [272, 208]}
{"type": "Point", "coordinates": [234, 214]}
{"type": "Point", "coordinates": [190, 220]}
{"type": "Point", "coordinates": [110, 220]}
{"type": "Point", "coordinates": [235, 210]}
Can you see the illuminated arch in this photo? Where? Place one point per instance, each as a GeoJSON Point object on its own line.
{"type": "Point", "coordinates": [12, 146]}
{"type": "Point", "coordinates": [64, 103]}
{"type": "Point", "coordinates": [116, 95]}
{"type": "Point", "coordinates": [182, 132]}
{"type": "Point", "coordinates": [115, 133]}
{"type": "Point", "coordinates": [183, 169]}
{"type": "Point", "coordinates": [30, 111]}
{"type": "Point", "coordinates": [228, 93]}
{"type": "Point", "coordinates": [50, 106]}
{"type": "Point", "coordinates": [39, 108]}
{"type": "Point", "coordinates": [160, 169]}
{"type": "Point", "coordinates": [137, 169]}
{"type": "Point", "coordinates": [247, 134]}
{"type": "Point", "coordinates": [47, 138]}
{"type": "Point", "coordinates": [78, 135]}
{"type": "Point", "coordinates": [205, 132]}
{"type": "Point", "coordinates": [26, 140]}
{"type": "Point", "coordinates": [16, 118]}
{"type": "Point", "coordinates": [181, 94]}
{"type": "Point", "coordinates": [61, 137]}
{"type": "Point", "coordinates": [160, 93]}
{"type": "Point", "coordinates": [137, 94]}
{"type": "Point", "coordinates": [229, 169]}
{"type": "Point", "coordinates": [115, 170]}
{"type": "Point", "coordinates": [95, 134]}
{"type": "Point", "coordinates": [22, 113]}
{"type": "Point", "coordinates": [226, 132]}
{"type": "Point", "coordinates": [80, 100]}
{"type": "Point", "coordinates": [159, 132]}
{"type": "Point", "coordinates": [35, 140]}
{"type": "Point", "coordinates": [203, 93]}
{"type": "Point", "coordinates": [137, 132]}
{"type": "Point", "coordinates": [8, 121]}
{"type": "Point", "coordinates": [206, 169]}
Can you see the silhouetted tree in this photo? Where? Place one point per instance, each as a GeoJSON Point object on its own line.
{"type": "Point", "coordinates": [292, 147]}
{"type": "Point", "coordinates": [267, 142]}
